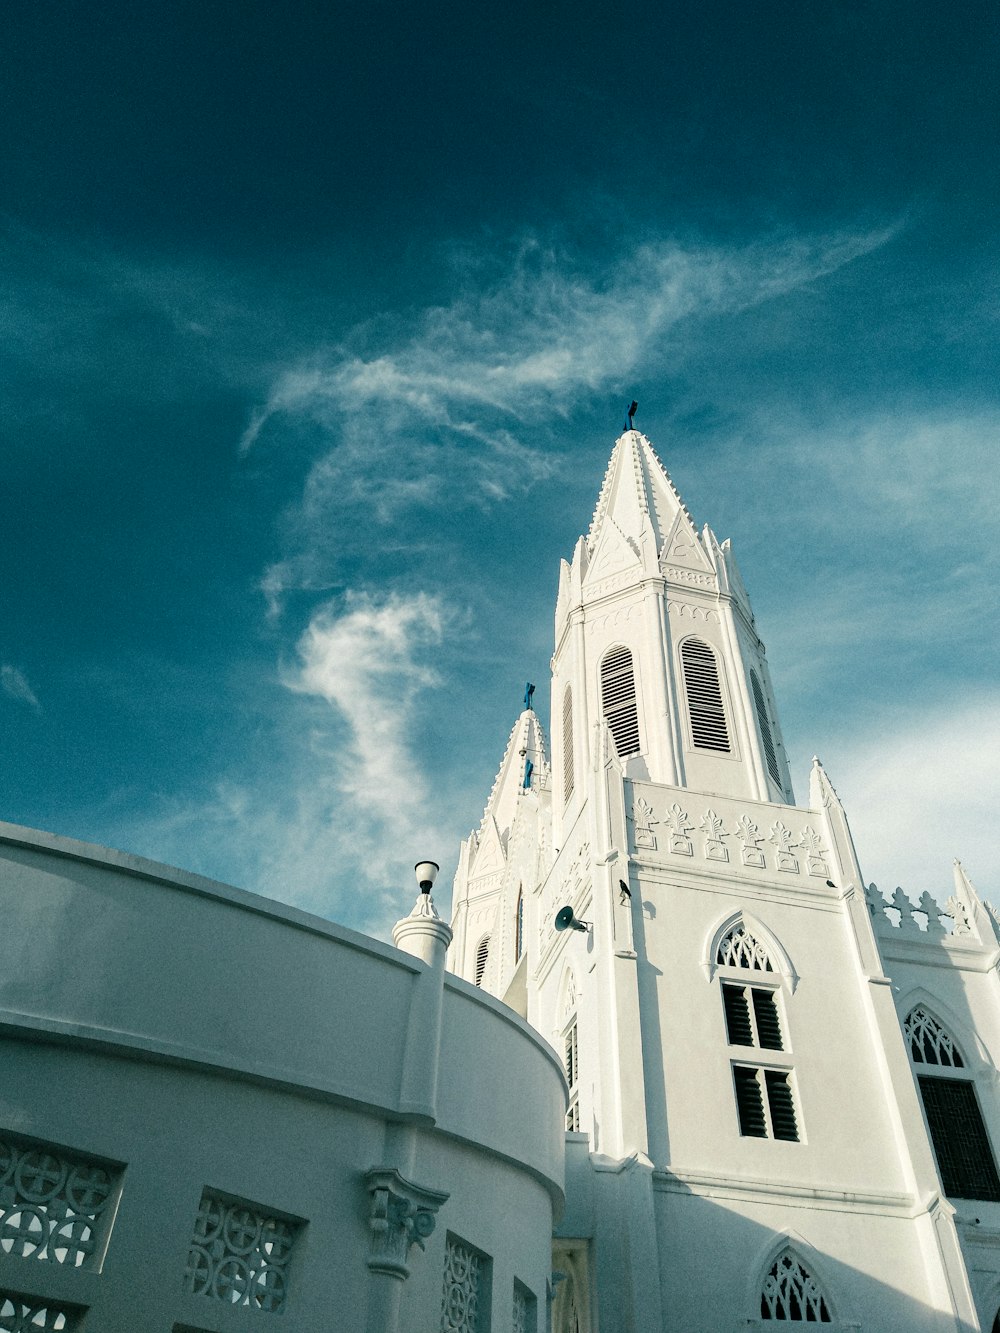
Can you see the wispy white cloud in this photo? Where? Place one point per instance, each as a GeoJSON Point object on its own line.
{"type": "Point", "coordinates": [15, 685]}
{"type": "Point", "coordinates": [368, 659]}
{"type": "Point", "coordinates": [448, 411]}
{"type": "Point", "coordinates": [920, 791]}
{"type": "Point", "coordinates": [338, 824]}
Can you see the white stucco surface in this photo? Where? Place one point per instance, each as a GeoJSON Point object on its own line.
{"type": "Point", "coordinates": [197, 1037]}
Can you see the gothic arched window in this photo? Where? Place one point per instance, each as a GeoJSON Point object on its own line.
{"type": "Point", "coordinates": [762, 1081]}
{"type": "Point", "coordinates": [704, 697]}
{"type": "Point", "coordinates": [738, 948]}
{"type": "Point", "coordinates": [767, 740]}
{"type": "Point", "coordinates": [791, 1292]}
{"type": "Point", "coordinates": [618, 702]}
{"type": "Point", "coordinates": [519, 925]}
{"type": "Point", "coordinates": [961, 1144]}
{"type": "Point", "coordinates": [567, 743]}
{"type": "Point", "coordinates": [482, 954]}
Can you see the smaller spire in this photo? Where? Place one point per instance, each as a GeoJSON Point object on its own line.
{"type": "Point", "coordinates": [526, 745]}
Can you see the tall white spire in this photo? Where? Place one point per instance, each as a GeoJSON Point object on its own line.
{"type": "Point", "coordinates": [642, 584]}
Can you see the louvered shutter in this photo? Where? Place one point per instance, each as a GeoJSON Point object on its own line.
{"type": "Point", "coordinates": [738, 1027]}
{"type": "Point", "coordinates": [482, 954]}
{"type": "Point", "coordinates": [618, 700]}
{"type": "Point", "coordinates": [704, 696]}
{"type": "Point", "coordinates": [749, 1103]}
{"type": "Point", "coordinates": [765, 728]}
{"type": "Point", "coordinates": [567, 743]}
{"type": "Point", "coordinates": [781, 1106]}
{"type": "Point", "coordinates": [766, 1013]}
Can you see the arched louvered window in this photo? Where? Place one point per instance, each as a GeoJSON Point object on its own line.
{"type": "Point", "coordinates": [618, 700]}
{"type": "Point", "coordinates": [959, 1135]}
{"type": "Point", "coordinates": [482, 954]}
{"type": "Point", "coordinates": [519, 925]}
{"type": "Point", "coordinates": [767, 740]}
{"type": "Point", "coordinates": [929, 1043]}
{"type": "Point", "coordinates": [704, 696]}
{"type": "Point", "coordinates": [739, 948]}
{"type": "Point", "coordinates": [791, 1292]}
{"type": "Point", "coordinates": [567, 743]}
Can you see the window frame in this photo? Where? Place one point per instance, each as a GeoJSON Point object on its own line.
{"type": "Point", "coordinates": [760, 1074]}
{"type": "Point", "coordinates": [736, 983]}
{"type": "Point", "coordinates": [761, 1060]}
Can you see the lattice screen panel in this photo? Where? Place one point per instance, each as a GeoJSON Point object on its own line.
{"type": "Point", "coordinates": [29, 1314]}
{"type": "Point", "coordinates": [523, 1317]}
{"type": "Point", "coordinates": [460, 1309]}
{"type": "Point", "coordinates": [54, 1206]}
{"type": "Point", "coordinates": [240, 1254]}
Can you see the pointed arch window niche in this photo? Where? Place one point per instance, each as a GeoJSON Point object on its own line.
{"type": "Point", "coordinates": [482, 957]}
{"type": "Point", "coordinates": [567, 743]}
{"type": "Point", "coordinates": [618, 702]}
{"type": "Point", "coordinates": [790, 1292]}
{"type": "Point", "coordinates": [706, 712]}
{"type": "Point", "coordinates": [519, 924]}
{"type": "Point", "coordinates": [958, 1132]}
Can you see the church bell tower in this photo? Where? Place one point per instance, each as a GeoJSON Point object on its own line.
{"type": "Point", "coordinates": [654, 631]}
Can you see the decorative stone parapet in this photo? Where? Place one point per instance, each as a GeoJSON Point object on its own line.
{"type": "Point", "coordinates": [401, 1215]}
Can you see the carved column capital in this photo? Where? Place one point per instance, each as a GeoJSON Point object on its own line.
{"type": "Point", "coordinates": [400, 1215]}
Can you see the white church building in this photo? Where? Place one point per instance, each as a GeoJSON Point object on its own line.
{"type": "Point", "coordinates": [783, 1090]}
{"type": "Point", "coordinates": [671, 1069]}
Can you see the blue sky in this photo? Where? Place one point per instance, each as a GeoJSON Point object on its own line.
{"type": "Point", "coordinates": [319, 326]}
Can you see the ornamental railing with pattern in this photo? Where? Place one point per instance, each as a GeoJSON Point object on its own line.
{"type": "Point", "coordinates": [240, 1254]}
{"type": "Point", "coordinates": [54, 1205]}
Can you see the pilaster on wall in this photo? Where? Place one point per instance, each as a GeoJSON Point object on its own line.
{"type": "Point", "coordinates": [624, 1129]}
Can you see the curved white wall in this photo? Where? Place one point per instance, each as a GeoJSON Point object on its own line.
{"type": "Point", "coordinates": [202, 1038]}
